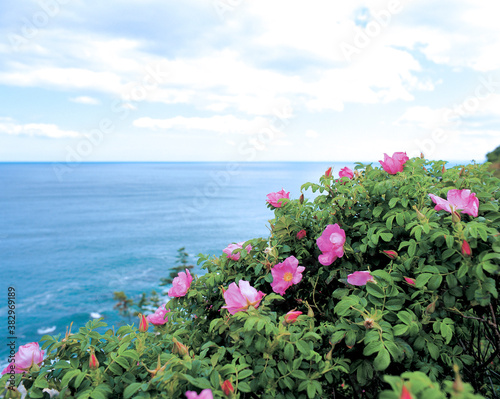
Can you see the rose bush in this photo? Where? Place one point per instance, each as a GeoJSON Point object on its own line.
{"type": "Point", "coordinates": [389, 303]}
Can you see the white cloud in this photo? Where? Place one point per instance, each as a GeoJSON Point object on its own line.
{"type": "Point", "coordinates": [218, 124]}
{"type": "Point", "coordinates": [312, 134]}
{"type": "Point", "coordinates": [85, 100]}
{"type": "Point", "coordinates": [9, 126]}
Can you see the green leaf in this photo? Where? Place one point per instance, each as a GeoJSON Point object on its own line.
{"type": "Point", "coordinates": [375, 290]}
{"type": "Point", "coordinates": [422, 279]}
{"type": "Point", "coordinates": [131, 389]}
{"type": "Point", "coordinates": [382, 360]}
{"type": "Point", "coordinates": [244, 386]}
{"type": "Point", "coordinates": [303, 347]}
{"type": "Point", "coordinates": [289, 352]}
{"type": "Point", "coordinates": [433, 350]}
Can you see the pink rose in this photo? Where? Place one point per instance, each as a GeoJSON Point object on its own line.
{"type": "Point", "coordinates": [286, 274]}
{"type": "Point", "coordinates": [158, 318]}
{"type": "Point", "coordinates": [291, 316]}
{"type": "Point", "coordinates": [238, 299]}
{"type": "Point", "coordinates": [233, 247]}
{"type": "Point", "coordinates": [27, 356]}
{"type": "Point", "coordinates": [181, 284]}
{"type": "Point", "coordinates": [395, 164]}
{"type": "Point", "coordinates": [360, 278]}
{"type": "Point", "coordinates": [205, 394]}
{"type": "Point", "coordinates": [274, 198]}
{"type": "Point", "coordinates": [301, 234]}
{"type": "Point", "coordinates": [331, 243]}
{"type": "Point", "coordinates": [346, 172]}
{"type": "Point", "coordinates": [457, 201]}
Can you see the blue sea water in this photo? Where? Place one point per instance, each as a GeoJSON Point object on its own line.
{"type": "Point", "coordinates": [70, 236]}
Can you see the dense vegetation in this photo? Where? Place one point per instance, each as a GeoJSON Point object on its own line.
{"type": "Point", "coordinates": [374, 289]}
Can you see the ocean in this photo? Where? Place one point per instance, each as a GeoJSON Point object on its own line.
{"type": "Point", "coordinates": [71, 235]}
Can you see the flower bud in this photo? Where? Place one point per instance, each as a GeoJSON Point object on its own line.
{"type": "Point", "coordinates": [180, 349]}
{"type": "Point", "coordinates": [405, 394]}
{"type": "Point", "coordinates": [301, 199]}
{"type": "Point", "coordinates": [328, 356]}
{"type": "Point", "coordinates": [291, 316]}
{"type": "Point", "coordinates": [328, 172]}
{"type": "Point", "coordinates": [93, 362]}
{"type": "Point", "coordinates": [143, 323]}
{"type": "Point", "coordinates": [227, 388]}
{"type": "Point", "coordinates": [410, 281]}
{"type": "Point", "coordinates": [455, 217]}
{"type": "Point", "coordinates": [301, 234]}
{"type": "Point", "coordinates": [390, 254]}
{"type": "Point", "coordinates": [421, 155]}
{"type": "Point", "coordinates": [466, 251]}
{"type": "Point", "coordinates": [430, 308]}
{"type": "Point", "coordinates": [420, 215]}
{"type": "Point", "coordinates": [458, 385]}
{"type": "Point", "coordinates": [443, 169]}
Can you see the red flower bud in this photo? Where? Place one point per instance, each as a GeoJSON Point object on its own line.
{"type": "Point", "coordinates": [466, 251]}
{"type": "Point", "coordinates": [301, 234]}
{"type": "Point", "coordinates": [291, 316]}
{"type": "Point", "coordinates": [227, 387]}
{"type": "Point", "coordinates": [328, 172]}
{"type": "Point", "coordinates": [93, 362]}
{"type": "Point", "coordinates": [390, 254]}
{"type": "Point", "coordinates": [410, 281]}
{"type": "Point", "coordinates": [405, 394]}
{"type": "Point", "coordinates": [143, 323]}
{"type": "Point", "coordinates": [301, 199]}
{"type": "Point", "coordinates": [179, 348]}
{"type": "Point", "coordinates": [443, 169]}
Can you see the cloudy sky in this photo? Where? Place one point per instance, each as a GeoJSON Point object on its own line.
{"type": "Point", "coordinates": [248, 80]}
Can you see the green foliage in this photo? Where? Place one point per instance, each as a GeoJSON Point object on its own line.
{"type": "Point", "coordinates": [349, 340]}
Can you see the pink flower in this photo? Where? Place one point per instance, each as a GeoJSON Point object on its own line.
{"type": "Point", "coordinates": [27, 356]}
{"type": "Point", "coordinates": [285, 274]}
{"type": "Point", "coordinates": [238, 299]}
{"type": "Point", "coordinates": [360, 278]}
{"type": "Point", "coordinates": [158, 318]}
{"type": "Point", "coordinates": [301, 234]}
{"type": "Point", "coordinates": [331, 243]}
{"type": "Point", "coordinates": [410, 280]}
{"type": "Point", "coordinates": [291, 316]}
{"type": "Point", "coordinates": [181, 284]}
{"type": "Point", "coordinates": [394, 164]}
{"type": "Point", "coordinates": [346, 172]}
{"type": "Point", "coordinates": [457, 200]}
{"type": "Point", "coordinates": [205, 394]}
{"type": "Point", "coordinates": [466, 251]}
{"type": "Point", "coordinates": [274, 198]}
{"type": "Point", "coordinates": [233, 247]}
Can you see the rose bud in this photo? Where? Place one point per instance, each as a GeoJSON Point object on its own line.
{"type": "Point", "coordinates": [368, 323]}
{"type": "Point", "coordinates": [390, 254]}
{"type": "Point", "coordinates": [180, 349]}
{"type": "Point", "coordinates": [301, 234]}
{"type": "Point", "coordinates": [143, 323]}
{"type": "Point", "coordinates": [291, 316]}
{"type": "Point", "coordinates": [227, 388]}
{"type": "Point", "coordinates": [93, 362]}
{"type": "Point", "coordinates": [328, 172]}
{"type": "Point", "coordinates": [466, 251]}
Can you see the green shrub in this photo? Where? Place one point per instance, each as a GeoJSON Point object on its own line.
{"type": "Point", "coordinates": [432, 304]}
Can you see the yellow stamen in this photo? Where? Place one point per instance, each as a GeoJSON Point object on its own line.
{"type": "Point", "coordinates": [288, 276]}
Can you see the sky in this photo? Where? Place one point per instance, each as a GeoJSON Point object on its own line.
{"type": "Point", "coordinates": [248, 80]}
